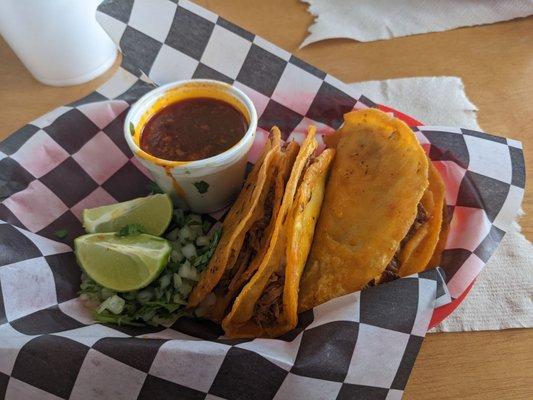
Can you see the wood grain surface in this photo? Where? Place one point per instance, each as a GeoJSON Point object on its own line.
{"type": "Point", "coordinates": [496, 65]}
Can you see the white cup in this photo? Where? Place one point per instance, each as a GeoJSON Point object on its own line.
{"type": "Point", "coordinates": [205, 185]}
{"type": "Point", "coordinates": [59, 41]}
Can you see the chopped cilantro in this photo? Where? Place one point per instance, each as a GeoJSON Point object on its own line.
{"type": "Point", "coordinates": [201, 261]}
{"type": "Point", "coordinates": [131, 229]}
{"type": "Point", "coordinates": [61, 234]}
{"type": "Point", "coordinates": [206, 225]}
{"type": "Point", "coordinates": [201, 186]}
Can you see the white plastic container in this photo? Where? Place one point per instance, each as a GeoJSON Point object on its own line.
{"type": "Point", "coordinates": [205, 185]}
{"type": "Point", "coordinates": [59, 41]}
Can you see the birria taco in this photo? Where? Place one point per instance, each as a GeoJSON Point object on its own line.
{"type": "Point", "coordinates": [267, 305]}
{"type": "Point", "coordinates": [245, 230]}
{"type": "Point", "coordinates": [251, 283]}
{"type": "Point", "coordinates": [382, 211]}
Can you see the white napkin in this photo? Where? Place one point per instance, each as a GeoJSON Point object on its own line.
{"type": "Point", "coordinates": [369, 20]}
{"type": "Point", "coordinates": [502, 296]}
{"type": "Point", "coordinates": [447, 105]}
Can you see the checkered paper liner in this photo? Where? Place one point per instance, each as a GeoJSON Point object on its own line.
{"type": "Point", "coordinates": [362, 345]}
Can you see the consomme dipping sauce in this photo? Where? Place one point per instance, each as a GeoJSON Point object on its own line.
{"type": "Point", "coordinates": [193, 129]}
{"type": "Point", "coordinates": [194, 138]}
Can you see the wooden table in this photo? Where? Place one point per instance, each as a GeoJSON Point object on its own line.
{"type": "Point", "coordinates": [496, 65]}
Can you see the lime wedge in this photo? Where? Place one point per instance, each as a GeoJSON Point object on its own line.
{"type": "Point", "coordinates": [152, 212]}
{"type": "Point", "coordinates": [122, 263]}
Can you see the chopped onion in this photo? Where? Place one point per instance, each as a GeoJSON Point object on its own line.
{"type": "Point", "coordinates": [158, 293]}
{"type": "Point", "coordinates": [114, 304]}
{"type": "Point", "coordinates": [185, 233]}
{"type": "Point", "coordinates": [177, 280]}
{"type": "Point", "coordinates": [185, 289]}
{"type": "Point", "coordinates": [188, 272]}
{"type": "Point", "coordinates": [196, 230]}
{"type": "Point", "coordinates": [176, 256]}
{"type": "Point", "coordinates": [202, 241]}
{"type": "Point", "coordinates": [189, 250]}
{"type": "Point", "coordinates": [164, 281]}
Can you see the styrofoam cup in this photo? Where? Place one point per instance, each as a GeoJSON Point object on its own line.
{"type": "Point", "coordinates": [205, 185]}
{"type": "Point", "coordinates": [59, 41]}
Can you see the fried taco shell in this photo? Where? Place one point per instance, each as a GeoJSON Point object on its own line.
{"type": "Point", "coordinates": [377, 180]}
{"type": "Point", "coordinates": [420, 244]}
{"type": "Point", "coordinates": [257, 237]}
{"type": "Point", "coordinates": [247, 209]}
{"type": "Point", "coordinates": [267, 305]}
{"type": "Point", "coordinates": [301, 229]}
{"type": "Point", "coordinates": [418, 251]}
{"type": "Point", "coordinates": [441, 243]}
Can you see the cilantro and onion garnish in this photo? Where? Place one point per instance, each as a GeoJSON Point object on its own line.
{"type": "Point", "coordinates": [163, 270]}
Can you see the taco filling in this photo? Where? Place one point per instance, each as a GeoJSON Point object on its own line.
{"type": "Point", "coordinates": [256, 227]}
{"type": "Point", "coordinates": [250, 248]}
{"type": "Point", "coordinates": [392, 270]}
{"type": "Point", "coordinates": [382, 212]}
{"type": "Point", "coordinates": [246, 264]}
{"type": "Point", "coordinates": [267, 304]}
{"type": "Point", "coordinates": [245, 212]}
{"type": "Point", "coordinates": [270, 305]}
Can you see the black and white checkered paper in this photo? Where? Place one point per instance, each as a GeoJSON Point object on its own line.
{"type": "Point", "coordinates": [362, 345]}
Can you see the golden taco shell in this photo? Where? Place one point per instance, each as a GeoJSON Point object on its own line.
{"type": "Point", "coordinates": [267, 305]}
{"type": "Point", "coordinates": [377, 179]}
{"type": "Point", "coordinates": [257, 237]}
{"type": "Point", "coordinates": [301, 230]}
{"type": "Point", "coordinates": [245, 211]}
{"type": "Point", "coordinates": [443, 238]}
{"type": "Point", "coordinates": [417, 252]}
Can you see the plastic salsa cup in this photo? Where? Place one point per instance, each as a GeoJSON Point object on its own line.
{"type": "Point", "coordinates": [205, 185]}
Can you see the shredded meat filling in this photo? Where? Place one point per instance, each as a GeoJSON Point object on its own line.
{"type": "Point", "coordinates": [251, 245]}
{"type": "Point", "coordinates": [270, 305]}
{"type": "Point", "coordinates": [420, 219]}
{"type": "Point", "coordinates": [392, 270]}
{"type": "Point", "coordinates": [254, 236]}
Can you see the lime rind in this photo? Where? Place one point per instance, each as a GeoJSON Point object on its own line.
{"type": "Point", "coordinates": [122, 264]}
{"type": "Point", "coordinates": [153, 212]}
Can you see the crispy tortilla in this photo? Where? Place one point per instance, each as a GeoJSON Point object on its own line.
{"type": "Point", "coordinates": [417, 252]}
{"type": "Point", "coordinates": [443, 238]}
{"type": "Point", "coordinates": [257, 237]}
{"type": "Point", "coordinates": [267, 305]}
{"type": "Point", "coordinates": [244, 212]}
{"type": "Point", "coordinates": [378, 177]}
{"type": "Point", "coordinates": [301, 230]}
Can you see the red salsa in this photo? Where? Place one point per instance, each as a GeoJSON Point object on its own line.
{"type": "Point", "coordinates": [193, 129]}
